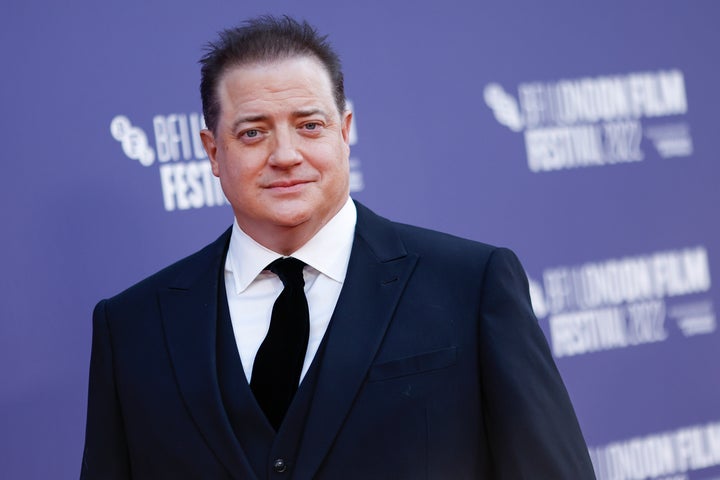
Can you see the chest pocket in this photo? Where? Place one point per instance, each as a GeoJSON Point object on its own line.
{"type": "Point", "coordinates": [423, 362]}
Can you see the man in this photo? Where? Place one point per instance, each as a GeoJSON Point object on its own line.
{"type": "Point", "coordinates": [383, 351]}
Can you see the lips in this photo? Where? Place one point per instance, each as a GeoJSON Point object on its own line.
{"type": "Point", "coordinates": [287, 186]}
{"type": "Point", "coordinates": [286, 183]}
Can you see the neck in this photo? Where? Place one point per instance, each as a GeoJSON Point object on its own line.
{"type": "Point", "coordinates": [283, 239]}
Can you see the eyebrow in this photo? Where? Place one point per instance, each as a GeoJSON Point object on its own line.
{"type": "Point", "coordinates": [248, 119]}
{"type": "Point", "coordinates": [261, 118]}
{"type": "Point", "coordinates": [309, 113]}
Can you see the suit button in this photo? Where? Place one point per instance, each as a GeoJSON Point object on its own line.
{"type": "Point", "coordinates": [279, 465]}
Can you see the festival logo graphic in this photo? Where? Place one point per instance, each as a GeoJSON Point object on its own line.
{"type": "Point", "coordinates": [186, 178]}
{"type": "Point", "coordinates": [669, 455]}
{"type": "Point", "coordinates": [596, 121]}
{"type": "Point", "coordinates": [624, 302]}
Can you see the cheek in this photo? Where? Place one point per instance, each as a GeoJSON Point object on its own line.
{"type": "Point", "coordinates": [332, 156]}
{"type": "Point", "coordinates": [234, 175]}
{"type": "Point", "coordinates": [242, 166]}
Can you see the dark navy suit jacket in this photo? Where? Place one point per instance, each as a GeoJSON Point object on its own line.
{"type": "Point", "coordinates": [434, 367]}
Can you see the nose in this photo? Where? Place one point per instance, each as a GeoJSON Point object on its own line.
{"type": "Point", "coordinates": [284, 153]}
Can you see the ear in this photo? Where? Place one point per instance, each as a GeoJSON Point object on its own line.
{"type": "Point", "coordinates": [345, 126]}
{"type": "Point", "coordinates": [208, 141]}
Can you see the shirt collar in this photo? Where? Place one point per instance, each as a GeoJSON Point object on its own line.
{"type": "Point", "coordinates": [328, 251]}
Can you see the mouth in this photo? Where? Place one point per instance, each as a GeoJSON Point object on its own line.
{"type": "Point", "coordinates": [289, 186]}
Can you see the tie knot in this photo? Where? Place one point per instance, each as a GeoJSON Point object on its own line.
{"type": "Point", "coordinates": [290, 271]}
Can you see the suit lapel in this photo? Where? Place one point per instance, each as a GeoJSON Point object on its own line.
{"type": "Point", "coordinates": [378, 271]}
{"type": "Point", "coordinates": [189, 309]}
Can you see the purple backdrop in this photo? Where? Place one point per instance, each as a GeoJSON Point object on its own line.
{"type": "Point", "coordinates": [580, 135]}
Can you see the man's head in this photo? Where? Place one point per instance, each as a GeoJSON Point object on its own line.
{"type": "Point", "coordinates": [278, 131]}
{"type": "Point", "coordinates": [262, 40]}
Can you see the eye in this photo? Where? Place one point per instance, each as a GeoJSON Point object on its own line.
{"type": "Point", "coordinates": [312, 127]}
{"type": "Point", "coordinates": [251, 135]}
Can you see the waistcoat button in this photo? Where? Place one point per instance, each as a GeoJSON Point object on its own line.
{"type": "Point", "coordinates": [279, 465]}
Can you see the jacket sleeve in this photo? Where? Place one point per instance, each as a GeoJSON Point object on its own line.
{"type": "Point", "coordinates": [106, 454]}
{"type": "Point", "coordinates": [531, 426]}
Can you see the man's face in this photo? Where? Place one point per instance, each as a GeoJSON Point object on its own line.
{"type": "Point", "coordinates": [280, 149]}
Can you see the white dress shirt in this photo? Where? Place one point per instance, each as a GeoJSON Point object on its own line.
{"type": "Point", "coordinates": [252, 291]}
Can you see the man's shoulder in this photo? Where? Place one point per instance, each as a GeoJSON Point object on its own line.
{"type": "Point", "coordinates": [426, 237]}
{"type": "Point", "coordinates": [438, 247]}
{"type": "Point", "coordinates": [416, 237]}
{"type": "Point", "coordinates": [182, 273]}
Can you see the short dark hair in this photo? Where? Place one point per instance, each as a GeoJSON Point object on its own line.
{"type": "Point", "coordinates": [262, 39]}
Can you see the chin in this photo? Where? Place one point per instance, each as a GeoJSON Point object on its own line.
{"type": "Point", "coordinates": [292, 219]}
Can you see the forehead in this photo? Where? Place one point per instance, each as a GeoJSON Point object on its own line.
{"type": "Point", "coordinates": [294, 79]}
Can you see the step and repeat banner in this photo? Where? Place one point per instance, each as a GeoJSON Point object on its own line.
{"type": "Point", "coordinates": [584, 136]}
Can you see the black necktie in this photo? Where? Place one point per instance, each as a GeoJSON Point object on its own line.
{"type": "Point", "coordinates": [279, 360]}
